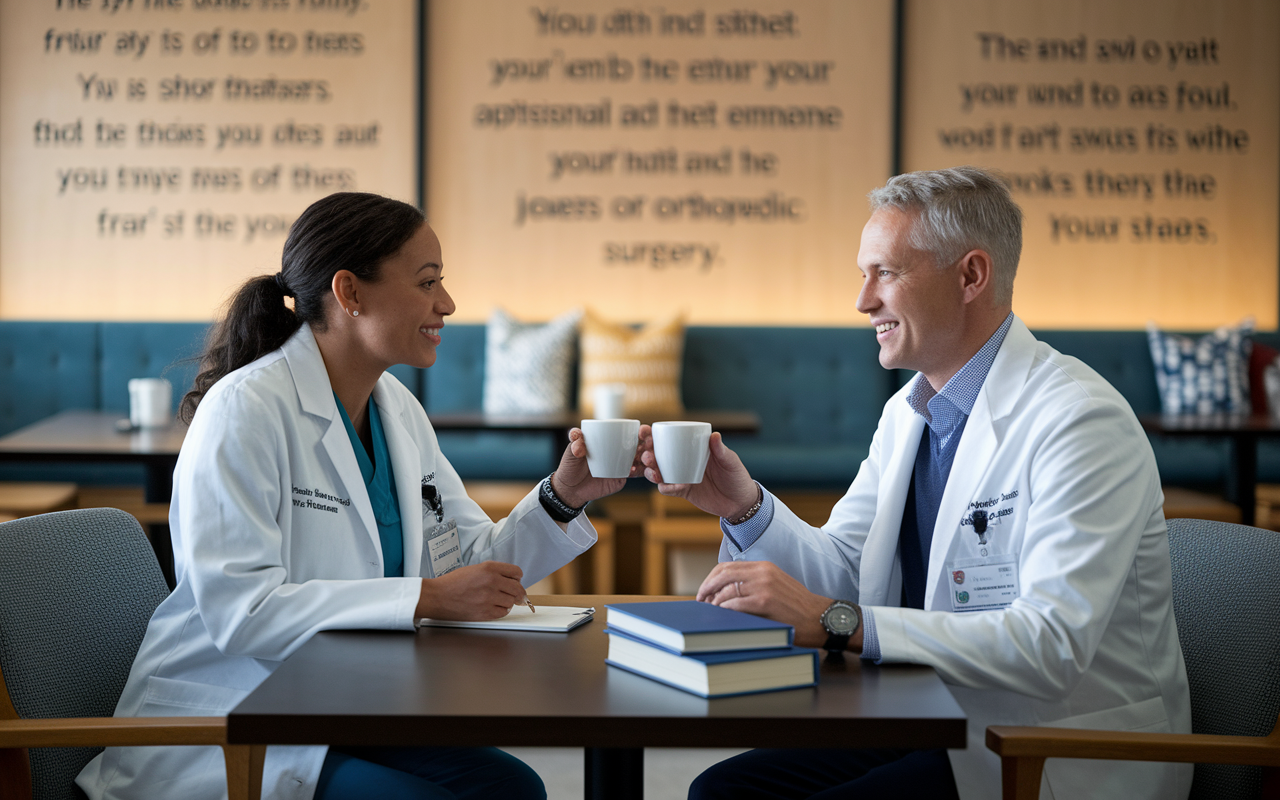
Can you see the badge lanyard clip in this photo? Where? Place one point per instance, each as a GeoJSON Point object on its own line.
{"type": "Point", "coordinates": [980, 525]}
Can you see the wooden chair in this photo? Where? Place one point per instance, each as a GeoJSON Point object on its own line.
{"type": "Point", "coordinates": [19, 499]}
{"type": "Point", "coordinates": [126, 498]}
{"type": "Point", "coordinates": [1267, 510]}
{"type": "Point", "coordinates": [1182, 503]}
{"type": "Point", "coordinates": [77, 589]}
{"type": "Point", "coordinates": [1226, 599]}
{"type": "Point", "coordinates": [498, 498]}
{"type": "Point", "coordinates": [675, 524]}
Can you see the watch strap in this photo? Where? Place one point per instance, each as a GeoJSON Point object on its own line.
{"type": "Point", "coordinates": [556, 508]}
{"type": "Point", "coordinates": [836, 642]}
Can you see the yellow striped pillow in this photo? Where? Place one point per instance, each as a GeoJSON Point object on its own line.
{"type": "Point", "coordinates": [646, 360]}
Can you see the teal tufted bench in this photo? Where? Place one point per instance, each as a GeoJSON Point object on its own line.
{"type": "Point", "coordinates": [818, 392]}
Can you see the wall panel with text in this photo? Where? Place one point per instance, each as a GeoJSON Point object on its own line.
{"type": "Point", "coordinates": [711, 157]}
{"type": "Point", "coordinates": [707, 157]}
{"type": "Point", "coordinates": [153, 153]}
{"type": "Point", "coordinates": [1140, 139]}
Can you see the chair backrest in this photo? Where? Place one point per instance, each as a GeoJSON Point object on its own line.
{"type": "Point", "coordinates": [77, 589]}
{"type": "Point", "coordinates": [1226, 598]}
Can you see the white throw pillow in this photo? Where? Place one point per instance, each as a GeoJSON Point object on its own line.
{"type": "Point", "coordinates": [527, 367]}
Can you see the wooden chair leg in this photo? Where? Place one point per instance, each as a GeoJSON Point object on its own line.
{"type": "Point", "coordinates": [15, 774]}
{"type": "Point", "coordinates": [602, 566]}
{"type": "Point", "coordinates": [655, 567]}
{"type": "Point", "coordinates": [244, 770]}
{"type": "Point", "coordinates": [1021, 777]}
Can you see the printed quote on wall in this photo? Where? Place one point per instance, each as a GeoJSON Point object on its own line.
{"type": "Point", "coordinates": [711, 158]}
{"type": "Point", "coordinates": [1142, 146]}
{"type": "Point", "coordinates": [153, 153]}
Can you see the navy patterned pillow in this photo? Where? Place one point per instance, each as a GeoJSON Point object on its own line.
{"type": "Point", "coordinates": [1204, 375]}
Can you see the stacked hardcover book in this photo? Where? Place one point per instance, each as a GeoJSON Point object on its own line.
{"type": "Point", "coordinates": [707, 650]}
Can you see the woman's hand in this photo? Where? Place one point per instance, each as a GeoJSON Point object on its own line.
{"type": "Point", "coordinates": [726, 489]}
{"type": "Point", "coordinates": [480, 591]}
{"type": "Point", "coordinates": [572, 481]}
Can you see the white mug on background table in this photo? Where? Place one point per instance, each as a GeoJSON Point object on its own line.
{"type": "Point", "coordinates": [610, 400]}
{"type": "Point", "coordinates": [682, 449]}
{"type": "Point", "coordinates": [150, 402]}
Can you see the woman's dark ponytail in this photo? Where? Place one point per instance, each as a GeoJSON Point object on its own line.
{"type": "Point", "coordinates": [349, 230]}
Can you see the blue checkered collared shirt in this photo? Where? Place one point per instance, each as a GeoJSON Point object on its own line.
{"type": "Point", "coordinates": [945, 413]}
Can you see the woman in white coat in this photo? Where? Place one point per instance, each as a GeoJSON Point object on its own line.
{"type": "Point", "coordinates": [311, 494]}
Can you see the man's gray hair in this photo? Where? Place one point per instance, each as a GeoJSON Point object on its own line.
{"type": "Point", "coordinates": [959, 209]}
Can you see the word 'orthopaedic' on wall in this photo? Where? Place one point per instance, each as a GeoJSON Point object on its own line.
{"type": "Point", "coordinates": [1141, 145]}
{"type": "Point", "coordinates": [707, 157]}
{"type": "Point", "coordinates": [153, 153]}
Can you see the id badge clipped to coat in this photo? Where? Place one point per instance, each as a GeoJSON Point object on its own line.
{"type": "Point", "coordinates": [441, 551]}
{"type": "Point", "coordinates": [983, 584]}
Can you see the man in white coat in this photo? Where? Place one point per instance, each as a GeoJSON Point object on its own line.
{"type": "Point", "coordinates": [1006, 527]}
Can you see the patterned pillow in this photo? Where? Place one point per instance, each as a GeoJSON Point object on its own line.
{"type": "Point", "coordinates": [527, 367]}
{"type": "Point", "coordinates": [1205, 375]}
{"type": "Point", "coordinates": [646, 360]}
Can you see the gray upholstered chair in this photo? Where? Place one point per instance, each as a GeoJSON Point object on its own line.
{"type": "Point", "coordinates": [1226, 599]}
{"type": "Point", "coordinates": [77, 589]}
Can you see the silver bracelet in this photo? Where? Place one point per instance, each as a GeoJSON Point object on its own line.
{"type": "Point", "coordinates": [751, 512]}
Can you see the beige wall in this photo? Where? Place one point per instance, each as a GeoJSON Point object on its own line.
{"type": "Point", "coordinates": [97, 228]}
{"type": "Point", "coordinates": [1099, 260]}
{"type": "Point", "coordinates": [790, 269]}
{"type": "Point", "coordinates": [94, 248]}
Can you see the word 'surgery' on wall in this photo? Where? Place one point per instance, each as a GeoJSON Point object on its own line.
{"type": "Point", "coordinates": [705, 157]}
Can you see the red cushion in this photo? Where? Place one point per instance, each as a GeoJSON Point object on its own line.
{"type": "Point", "coordinates": [1261, 357]}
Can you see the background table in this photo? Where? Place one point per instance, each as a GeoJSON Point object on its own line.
{"type": "Point", "coordinates": [444, 686]}
{"type": "Point", "coordinates": [1242, 432]}
{"type": "Point", "coordinates": [93, 436]}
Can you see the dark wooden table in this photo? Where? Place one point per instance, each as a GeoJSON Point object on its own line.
{"type": "Point", "coordinates": [93, 436]}
{"type": "Point", "coordinates": [443, 686]}
{"type": "Point", "coordinates": [1242, 432]}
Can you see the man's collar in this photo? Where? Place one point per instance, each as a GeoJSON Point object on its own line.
{"type": "Point", "coordinates": [963, 388]}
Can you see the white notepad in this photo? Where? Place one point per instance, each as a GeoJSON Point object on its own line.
{"type": "Point", "coordinates": [553, 619]}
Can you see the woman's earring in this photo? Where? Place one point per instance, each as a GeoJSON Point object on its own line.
{"type": "Point", "coordinates": [355, 313]}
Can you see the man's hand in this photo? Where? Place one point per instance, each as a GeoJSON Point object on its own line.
{"type": "Point", "coordinates": [572, 481]}
{"type": "Point", "coordinates": [726, 489]}
{"type": "Point", "coordinates": [763, 589]}
{"type": "Point", "coordinates": [478, 592]}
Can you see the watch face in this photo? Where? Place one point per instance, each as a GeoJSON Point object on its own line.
{"type": "Point", "coordinates": [841, 620]}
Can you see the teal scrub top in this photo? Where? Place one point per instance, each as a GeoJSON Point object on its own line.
{"type": "Point", "coordinates": [381, 486]}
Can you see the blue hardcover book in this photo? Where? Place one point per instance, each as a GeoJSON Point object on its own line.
{"type": "Point", "coordinates": [687, 626]}
{"type": "Point", "coordinates": [715, 674]}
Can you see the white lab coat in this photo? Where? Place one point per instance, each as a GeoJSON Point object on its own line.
{"type": "Point", "coordinates": [264, 560]}
{"type": "Point", "coordinates": [1091, 642]}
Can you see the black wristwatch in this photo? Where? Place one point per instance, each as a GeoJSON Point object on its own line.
{"type": "Point", "coordinates": [841, 621]}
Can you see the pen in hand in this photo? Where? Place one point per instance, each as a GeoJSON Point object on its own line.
{"type": "Point", "coordinates": [526, 602]}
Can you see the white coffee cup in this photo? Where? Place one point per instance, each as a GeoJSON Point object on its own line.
{"type": "Point", "coordinates": [150, 402]}
{"type": "Point", "coordinates": [610, 400]}
{"type": "Point", "coordinates": [682, 449]}
{"type": "Point", "coordinates": [611, 446]}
